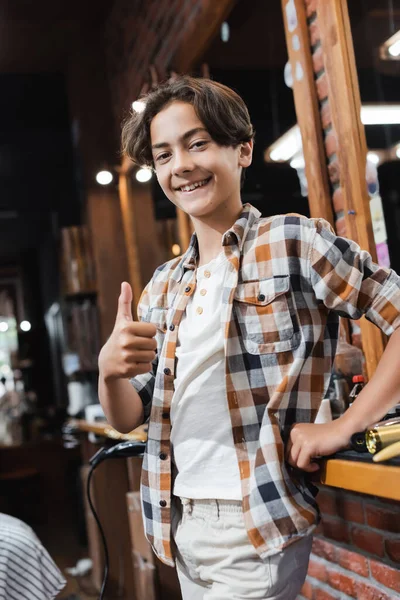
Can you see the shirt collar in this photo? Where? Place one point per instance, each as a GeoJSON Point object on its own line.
{"type": "Point", "coordinates": [235, 235]}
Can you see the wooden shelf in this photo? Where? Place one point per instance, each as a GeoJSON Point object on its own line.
{"type": "Point", "coordinates": [381, 480]}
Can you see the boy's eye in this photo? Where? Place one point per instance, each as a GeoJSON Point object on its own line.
{"type": "Point", "coordinates": [162, 157]}
{"type": "Point", "coordinates": [198, 144]}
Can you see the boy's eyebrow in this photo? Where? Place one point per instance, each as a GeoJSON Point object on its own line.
{"type": "Point", "coordinates": [183, 138]}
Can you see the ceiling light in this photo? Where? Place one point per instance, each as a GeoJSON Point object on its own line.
{"type": "Point", "coordinates": [289, 146]}
{"type": "Point", "coordinates": [373, 157]}
{"type": "Point", "coordinates": [398, 151]}
{"type": "Point", "coordinates": [394, 49]}
{"type": "Point", "coordinates": [3, 326]}
{"type": "Point", "coordinates": [298, 162]}
{"type": "Point", "coordinates": [25, 325]}
{"type": "Point", "coordinates": [138, 106]}
{"type": "Point", "coordinates": [104, 177]}
{"type": "Point", "coordinates": [390, 50]}
{"type": "Point", "coordinates": [380, 114]}
{"type": "Point", "coordinates": [144, 174]}
{"type": "Point", "coordinates": [286, 147]}
{"type": "Point", "coordinates": [225, 32]}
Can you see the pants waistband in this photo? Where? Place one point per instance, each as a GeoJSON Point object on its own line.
{"type": "Point", "coordinates": [211, 508]}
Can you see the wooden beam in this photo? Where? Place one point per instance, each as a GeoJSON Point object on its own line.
{"type": "Point", "coordinates": [345, 106]}
{"type": "Point", "coordinates": [143, 247]}
{"type": "Point", "coordinates": [129, 221]}
{"type": "Point", "coordinates": [185, 229]}
{"type": "Point", "coordinates": [200, 33]}
{"type": "Point", "coordinates": [307, 111]}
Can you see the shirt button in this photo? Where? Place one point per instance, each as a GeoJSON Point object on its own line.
{"type": "Point", "coordinates": [203, 292]}
{"type": "Point", "coordinates": [163, 456]}
{"type": "Point", "coordinates": [167, 371]}
{"type": "Point", "coordinates": [199, 310]}
{"type": "Point", "coordinates": [187, 289]}
{"type": "Point", "coordinates": [207, 274]}
{"type": "Point", "coordinates": [261, 297]}
{"type": "Point", "coordinates": [163, 503]}
{"type": "Point", "coordinates": [172, 327]}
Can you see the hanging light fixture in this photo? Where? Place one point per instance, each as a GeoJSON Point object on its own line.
{"type": "Point", "coordinates": [104, 177]}
{"type": "Point", "coordinates": [390, 50]}
{"type": "Point", "coordinates": [143, 175]}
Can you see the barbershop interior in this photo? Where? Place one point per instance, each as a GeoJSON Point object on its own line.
{"type": "Point", "coordinates": [321, 80]}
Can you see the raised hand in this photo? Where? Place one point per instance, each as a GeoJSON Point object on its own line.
{"type": "Point", "coordinates": [130, 349]}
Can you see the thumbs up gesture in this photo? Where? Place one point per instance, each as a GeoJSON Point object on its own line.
{"type": "Point", "coordinates": [131, 347]}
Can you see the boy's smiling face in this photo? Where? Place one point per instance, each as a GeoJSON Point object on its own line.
{"type": "Point", "coordinates": [195, 173]}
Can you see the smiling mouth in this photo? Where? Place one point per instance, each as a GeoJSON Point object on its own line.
{"type": "Point", "coordinates": [194, 186]}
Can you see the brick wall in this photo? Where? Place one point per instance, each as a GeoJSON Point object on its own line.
{"type": "Point", "coordinates": [331, 142]}
{"type": "Point", "coordinates": [356, 549]}
{"type": "Point", "coordinates": [356, 552]}
{"type": "Point", "coordinates": [139, 34]}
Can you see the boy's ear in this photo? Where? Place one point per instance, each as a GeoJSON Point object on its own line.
{"type": "Point", "coordinates": [246, 154]}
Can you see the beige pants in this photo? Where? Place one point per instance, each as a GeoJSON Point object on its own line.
{"type": "Point", "coordinates": [215, 560]}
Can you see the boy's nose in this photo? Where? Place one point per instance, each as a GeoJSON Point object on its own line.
{"type": "Point", "coordinates": [182, 163]}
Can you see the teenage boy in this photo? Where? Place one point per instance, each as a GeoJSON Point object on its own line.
{"type": "Point", "coordinates": [232, 357]}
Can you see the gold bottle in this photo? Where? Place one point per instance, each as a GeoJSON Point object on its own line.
{"type": "Point", "coordinates": [382, 435]}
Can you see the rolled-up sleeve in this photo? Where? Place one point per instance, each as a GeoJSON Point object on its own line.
{"type": "Point", "coordinates": [144, 384]}
{"type": "Point", "coordinates": [346, 280]}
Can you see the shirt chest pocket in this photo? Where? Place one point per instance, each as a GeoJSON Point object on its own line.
{"type": "Point", "coordinates": [266, 315]}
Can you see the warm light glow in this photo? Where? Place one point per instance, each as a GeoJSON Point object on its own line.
{"type": "Point", "coordinates": [176, 249]}
{"type": "Point", "coordinates": [3, 326]}
{"type": "Point", "coordinates": [394, 49]}
{"type": "Point", "coordinates": [144, 174]}
{"type": "Point", "coordinates": [138, 106]}
{"type": "Point", "coordinates": [104, 177]}
{"type": "Point", "coordinates": [373, 157]}
{"type": "Point", "coordinates": [398, 151]}
{"type": "Point", "coordinates": [25, 325]}
{"type": "Point", "coordinates": [381, 114]}
{"type": "Point", "coordinates": [287, 146]}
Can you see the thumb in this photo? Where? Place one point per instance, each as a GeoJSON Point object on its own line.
{"type": "Point", "coordinates": [125, 302]}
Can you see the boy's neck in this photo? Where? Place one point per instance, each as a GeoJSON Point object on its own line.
{"type": "Point", "coordinates": [209, 233]}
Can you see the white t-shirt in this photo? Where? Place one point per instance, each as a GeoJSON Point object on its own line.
{"type": "Point", "coordinates": [204, 454]}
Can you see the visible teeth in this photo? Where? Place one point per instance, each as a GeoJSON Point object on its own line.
{"type": "Point", "coordinates": [190, 188]}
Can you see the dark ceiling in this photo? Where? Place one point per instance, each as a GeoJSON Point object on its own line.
{"type": "Point", "coordinates": [37, 175]}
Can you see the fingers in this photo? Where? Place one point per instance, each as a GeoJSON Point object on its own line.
{"type": "Point", "coordinates": [145, 356]}
{"type": "Point", "coordinates": [125, 303]}
{"type": "Point", "coordinates": [300, 453]}
{"type": "Point", "coordinates": [304, 461]}
{"type": "Point", "coordinates": [145, 330]}
{"type": "Point", "coordinates": [142, 368]}
{"type": "Point", "coordinates": [293, 453]}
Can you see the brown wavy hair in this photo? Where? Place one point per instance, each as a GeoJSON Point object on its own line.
{"type": "Point", "coordinates": [221, 110]}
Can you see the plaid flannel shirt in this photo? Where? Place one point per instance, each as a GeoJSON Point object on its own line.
{"type": "Point", "coordinates": [289, 278]}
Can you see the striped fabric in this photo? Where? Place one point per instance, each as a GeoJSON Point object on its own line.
{"type": "Point", "coordinates": [27, 572]}
{"type": "Point", "coordinates": [288, 281]}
